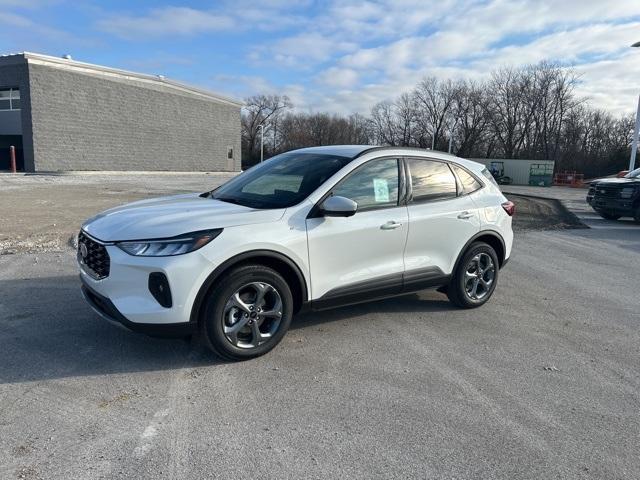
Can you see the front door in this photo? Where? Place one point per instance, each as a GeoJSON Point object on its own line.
{"type": "Point", "coordinates": [357, 257]}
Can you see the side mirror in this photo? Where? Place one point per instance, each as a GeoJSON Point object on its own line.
{"type": "Point", "coordinates": [338, 207]}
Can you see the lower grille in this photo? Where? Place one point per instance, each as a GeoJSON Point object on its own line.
{"type": "Point", "coordinates": [93, 256]}
{"type": "Point", "coordinates": [607, 191]}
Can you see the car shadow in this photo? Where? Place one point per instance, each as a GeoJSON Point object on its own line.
{"type": "Point", "coordinates": [47, 331]}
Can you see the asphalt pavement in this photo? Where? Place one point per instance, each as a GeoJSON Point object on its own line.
{"type": "Point", "coordinates": [543, 382]}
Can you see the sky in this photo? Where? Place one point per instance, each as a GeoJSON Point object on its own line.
{"type": "Point", "coordinates": [338, 56]}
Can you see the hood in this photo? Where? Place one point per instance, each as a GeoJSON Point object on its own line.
{"type": "Point", "coordinates": [620, 181]}
{"type": "Point", "coordinates": [170, 216]}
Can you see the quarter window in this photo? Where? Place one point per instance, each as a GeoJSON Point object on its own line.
{"type": "Point", "coordinates": [9, 99]}
{"type": "Point", "coordinates": [469, 183]}
{"type": "Point", "coordinates": [373, 185]}
{"type": "Point", "coordinates": [431, 180]}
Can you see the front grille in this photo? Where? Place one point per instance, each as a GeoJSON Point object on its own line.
{"type": "Point", "coordinates": [95, 258]}
{"type": "Point", "coordinates": [607, 191]}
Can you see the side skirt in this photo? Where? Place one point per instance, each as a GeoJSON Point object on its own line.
{"type": "Point", "coordinates": [388, 286]}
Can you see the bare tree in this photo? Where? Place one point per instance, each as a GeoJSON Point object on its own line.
{"type": "Point", "coordinates": [527, 112]}
{"type": "Point", "coordinates": [260, 110]}
{"type": "Point", "coordinates": [470, 109]}
{"type": "Point", "coordinates": [433, 100]}
{"type": "Point", "coordinates": [384, 124]}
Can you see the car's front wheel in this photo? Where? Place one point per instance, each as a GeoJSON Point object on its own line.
{"type": "Point", "coordinates": [475, 277]}
{"type": "Point", "coordinates": [247, 313]}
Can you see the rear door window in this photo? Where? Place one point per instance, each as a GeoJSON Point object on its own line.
{"type": "Point", "coordinates": [468, 181]}
{"type": "Point", "coordinates": [431, 180]}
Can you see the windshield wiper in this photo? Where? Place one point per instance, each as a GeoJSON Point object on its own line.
{"type": "Point", "coordinates": [235, 201]}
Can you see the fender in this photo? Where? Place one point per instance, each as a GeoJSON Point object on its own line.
{"type": "Point", "coordinates": [484, 233]}
{"type": "Point", "coordinates": [242, 257]}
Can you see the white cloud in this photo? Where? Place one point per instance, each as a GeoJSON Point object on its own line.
{"type": "Point", "coordinates": [346, 55]}
{"type": "Point", "coordinates": [612, 84]}
{"type": "Point", "coordinates": [301, 50]}
{"type": "Point", "coordinates": [588, 35]}
{"type": "Point", "coordinates": [339, 77]}
{"type": "Point", "coordinates": [166, 21]}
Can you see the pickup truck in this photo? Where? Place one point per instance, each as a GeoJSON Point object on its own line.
{"type": "Point", "coordinates": [613, 198]}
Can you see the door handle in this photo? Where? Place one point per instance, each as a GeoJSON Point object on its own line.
{"type": "Point", "coordinates": [390, 225]}
{"type": "Point", "coordinates": [465, 215]}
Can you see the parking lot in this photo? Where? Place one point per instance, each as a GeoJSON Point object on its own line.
{"type": "Point", "coordinates": [542, 382]}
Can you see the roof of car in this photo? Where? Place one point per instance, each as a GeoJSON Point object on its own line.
{"type": "Point", "coordinates": [354, 151]}
{"type": "Point", "coordinates": [350, 151]}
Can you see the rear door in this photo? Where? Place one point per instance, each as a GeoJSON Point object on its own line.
{"type": "Point", "coordinates": [358, 257]}
{"type": "Point", "coordinates": [442, 218]}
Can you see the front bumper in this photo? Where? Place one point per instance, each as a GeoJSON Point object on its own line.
{"type": "Point", "coordinates": [107, 310]}
{"type": "Point", "coordinates": [124, 296]}
{"type": "Point", "coordinates": [623, 207]}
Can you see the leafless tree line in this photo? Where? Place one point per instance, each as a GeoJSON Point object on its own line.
{"type": "Point", "coordinates": [528, 112]}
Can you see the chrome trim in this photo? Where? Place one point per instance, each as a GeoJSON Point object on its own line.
{"type": "Point", "coordinates": [101, 242]}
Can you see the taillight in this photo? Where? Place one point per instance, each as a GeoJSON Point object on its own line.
{"type": "Point", "coordinates": [509, 207]}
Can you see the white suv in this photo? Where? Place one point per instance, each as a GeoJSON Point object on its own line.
{"type": "Point", "coordinates": [312, 228]}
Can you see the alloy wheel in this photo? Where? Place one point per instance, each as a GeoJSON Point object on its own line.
{"type": "Point", "coordinates": [252, 315]}
{"type": "Point", "coordinates": [479, 276]}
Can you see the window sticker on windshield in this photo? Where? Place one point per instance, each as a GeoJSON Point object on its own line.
{"type": "Point", "coordinates": [381, 189]}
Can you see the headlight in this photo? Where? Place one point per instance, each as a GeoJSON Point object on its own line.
{"type": "Point", "coordinates": [627, 192]}
{"type": "Point", "coordinates": [166, 247]}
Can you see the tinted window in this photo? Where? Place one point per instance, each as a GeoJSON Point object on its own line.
{"type": "Point", "coordinates": [469, 183]}
{"type": "Point", "coordinates": [431, 180]}
{"type": "Point", "coordinates": [9, 99]}
{"type": "Point", "coordinates": [489, 177]}
{"type": "Point", "coordinates": [373, 185]}
{"type": "Point", "coordinates": [281, 181]}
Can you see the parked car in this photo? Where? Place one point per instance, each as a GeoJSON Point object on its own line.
{"type": "Point", "coordinates": [308, 229]}
{"type": "Point", "coordinates": [613, 198]}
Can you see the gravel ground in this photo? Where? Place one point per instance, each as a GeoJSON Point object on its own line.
{"type": "Point", "coordinates": [44, 212]}
{"type": "Point", "coordinates": [542, 382]}
{"type": "Point", "coordinates": [533, 213]}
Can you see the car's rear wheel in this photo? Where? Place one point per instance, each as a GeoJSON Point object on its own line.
{"type": "Point", "coordinates": [609, 216]}
{"type": "Point", "coordinates": [247, 313]}
{"type": "Point", "coordinates": [475, 277]}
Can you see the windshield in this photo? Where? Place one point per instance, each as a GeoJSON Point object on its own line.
{"type": "Point", "coordinates": [633, 174]}
{"type": "Point", "coordinates": [281, 181]}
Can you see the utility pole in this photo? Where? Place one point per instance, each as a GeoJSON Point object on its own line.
{"type": "Point", "coordinates": [634, 143]}
{"type": "Point", "coordinates": [261, 142]}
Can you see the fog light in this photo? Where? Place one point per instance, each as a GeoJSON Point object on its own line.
{"type": "Point", "coordinates": [159, 288]}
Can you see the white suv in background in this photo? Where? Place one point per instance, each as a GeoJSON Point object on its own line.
{"type": "Point", "coordinates": [312, 228]}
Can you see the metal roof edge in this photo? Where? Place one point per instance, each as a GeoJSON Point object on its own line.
{"type": "Point", "coordinates": [126, 74]}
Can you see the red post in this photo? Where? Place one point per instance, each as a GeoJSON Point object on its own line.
{"type": "Point", "coordinates": [12, 155]}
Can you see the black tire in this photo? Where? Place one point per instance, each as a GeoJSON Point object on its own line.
{"type": "Point", "coordinates": [213, 319]}
{"type": "Point", "coordinates": [457, 290]}
{"type": "Point", "coordinates": [609, 216]}
{"type": "Point", "coordinates": [636, 216]}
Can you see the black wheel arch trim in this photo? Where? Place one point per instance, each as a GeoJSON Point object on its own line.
{"type": "Point", "coordinates": [241, 258]}
{"type": "Point", "coordinates": [502, 261]}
